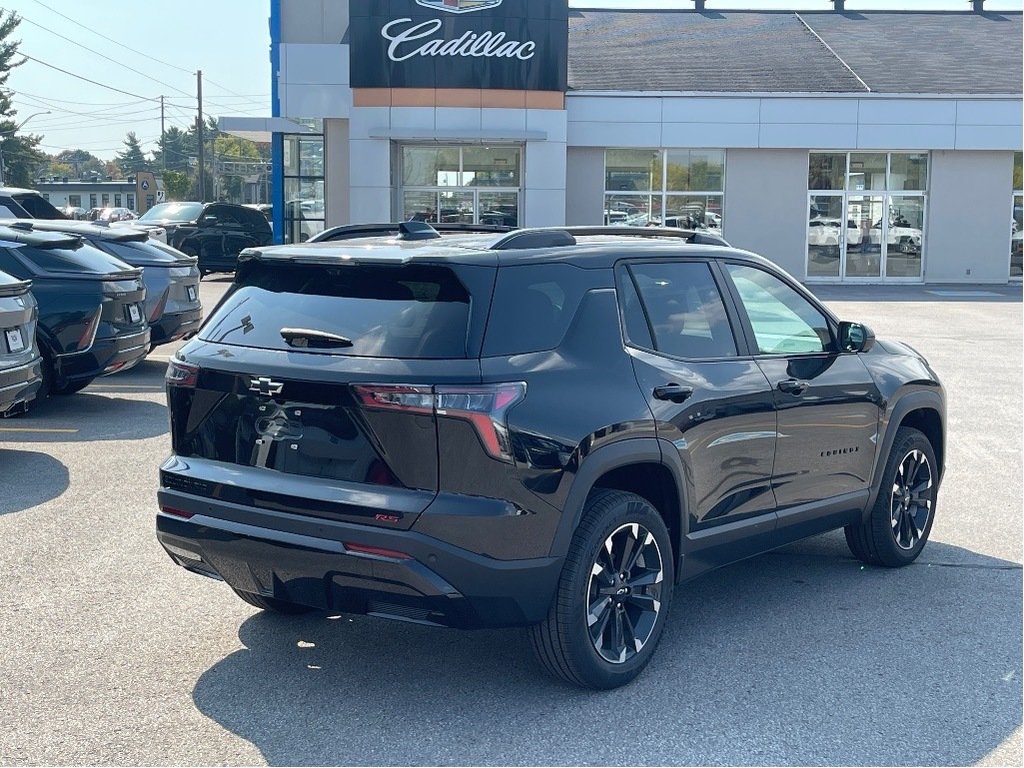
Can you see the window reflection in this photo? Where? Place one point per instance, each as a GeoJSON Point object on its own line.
{"type": "Point", "coordinates": [640, 187]}
{"type": "Point", "coordinates": [1017, 221]}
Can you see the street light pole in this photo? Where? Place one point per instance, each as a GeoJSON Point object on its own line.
{"type": "Point", "coordinates": [5, 134]}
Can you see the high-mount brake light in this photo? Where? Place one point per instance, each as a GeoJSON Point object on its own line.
{"type": "Point", "coordinates": [181, 374]}
{"type": "Point", "coordinates": [482, 405]}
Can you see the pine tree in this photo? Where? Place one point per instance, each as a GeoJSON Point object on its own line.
{"type": "Point", "coordinates": [21, 155]}
{"type": "Point", "coordinates": [133, 159]}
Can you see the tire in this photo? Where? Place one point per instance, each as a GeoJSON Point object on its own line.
{"type": "Point", "coordinates": [272, 604]}
{"type": "Point", "coordinates": [71, 387]}
{"type": "Point", "coordinates": [584, 638]}
{"type": "Point", "coordinates": [897, 527]}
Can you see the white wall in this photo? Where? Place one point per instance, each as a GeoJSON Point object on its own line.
{"type": "Point", "coordinates": [967, 233]}
{"type": "Point", "coordinates": [338, 178]}
{"type": "Point", "coordinates": [766, 205]}
{"type": "Point", "coordinates": [584, 187]}
{"type": "Point", "coordinates": [779, 121]}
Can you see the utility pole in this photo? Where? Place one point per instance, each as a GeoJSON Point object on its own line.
{"type": "Point", "coordinates": [163, 149]}
{"type": "Point", "coordinates": [200, 126]}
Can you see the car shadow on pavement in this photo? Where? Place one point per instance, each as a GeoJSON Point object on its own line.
{"type": "Point", "coordinates": [92, 414]}
{"type": "Point", "coordinates": [49, 479]}
{"type": "Point", "coordinates": [800, 656]}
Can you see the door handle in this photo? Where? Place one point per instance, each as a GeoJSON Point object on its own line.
{"type": "Point", "coordinates": [677, 393]}
{"type": "Point", "coordinates": [793, 386]}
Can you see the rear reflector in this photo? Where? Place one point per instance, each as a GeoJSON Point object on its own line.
{"type": "Point", "coordinates": [379, 551]}
{"type": "Point", "coordinates": [177, 512]}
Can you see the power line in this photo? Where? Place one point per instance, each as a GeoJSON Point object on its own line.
{"type": "Point", "coordinates": [89, 28]}
{"type": "Point", "coordinates": [86, 79]}
{"type": "Point", "coordinates": [103, 56]}
{"type": "Point", "coordinates": [12, 92]}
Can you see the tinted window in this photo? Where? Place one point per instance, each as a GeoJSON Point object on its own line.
{"type": "Point", "coordinates": [131, 252]}
{"type": "Point", "coordinates": [404, 312]}
{"type": "Point", "coordinates": [534, 305]}
{"type": "Point", "coordinates": [784, 322]}
{"type": "Point", "coordinates": [633, 317]}
{"type": "Point", "coordinates": [84, 260]}
{"type": "Point", "coordinates": [39, 207]}
{"type": "Point", "coordinates": [173, 212]}
{"type": "Point", "coordinates": [12, 266]}
{"type": "Point", "coordinates": [685, 309]}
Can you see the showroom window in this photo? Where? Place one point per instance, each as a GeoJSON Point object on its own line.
{"type": "Point", "coordinates": [304, 210]}
{"type": "Point", "coordinates": [1018, 219]}
{"type": "Point", "coordinates": [460, 184]}
{"type": "Point", "coordinates": [866, 215]}
{"type": "Point", "coordinates": [664, 187]}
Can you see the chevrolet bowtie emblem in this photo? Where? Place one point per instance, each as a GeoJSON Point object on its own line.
{"type": "Point", "coordinates": [265, 386]}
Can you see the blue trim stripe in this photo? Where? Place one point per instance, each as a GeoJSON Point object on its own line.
{"type": "Point", "coordinates": [277, 145]}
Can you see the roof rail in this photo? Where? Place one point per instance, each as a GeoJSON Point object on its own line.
{"type": "Point", "coordinates": [352, 231]}
{"type": "Point", "coordinates": [553, 237]}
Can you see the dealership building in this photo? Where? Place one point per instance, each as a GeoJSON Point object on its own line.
{"type": "Point", "coordinates": [845, 145]}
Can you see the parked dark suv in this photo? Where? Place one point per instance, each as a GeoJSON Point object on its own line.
{"type": "Point", "coordinates": [547, 428]}
{"type": "Point", "coordinates": [215, 233]}
{"type": "Point", "coordinates": [91, 305]}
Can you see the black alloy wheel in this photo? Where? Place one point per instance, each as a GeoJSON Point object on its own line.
{"type": "Point", "coordinates": [911, 503]}
{"type": "Point", "coordinates": [624, 594]}
{"type": "Point", "coordinates": [897, 526]}
{"type": "Point", "coordinates": [613, 596]}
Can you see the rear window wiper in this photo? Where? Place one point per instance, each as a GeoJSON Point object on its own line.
{"type": "Point", "coordinates": [311, 339]}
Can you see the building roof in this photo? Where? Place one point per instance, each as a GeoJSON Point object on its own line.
{"type": "Point", "coordinates": [788, 52]}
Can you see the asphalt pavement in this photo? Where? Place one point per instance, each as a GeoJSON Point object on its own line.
{"type": "Point", "coordinates": [110, 654]}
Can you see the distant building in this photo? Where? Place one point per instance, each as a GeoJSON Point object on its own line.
{"type": "Point", "coordinates": [139, 193]}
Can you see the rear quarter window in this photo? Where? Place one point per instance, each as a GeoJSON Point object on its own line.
{"type": "Point", "coordinates": [534, 306]}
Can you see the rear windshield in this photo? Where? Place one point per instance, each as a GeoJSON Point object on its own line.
{"type": "Point", "coordinates": [398, 312]}
{"type": "Point", "coordinates": [173, 212]}
{"type": "Point", "coordinates": [85, 260]}
{"type": "Point", "coordinates": [148, 251]}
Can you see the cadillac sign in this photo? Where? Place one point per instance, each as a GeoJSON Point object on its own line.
{"type": "Point", "coordinates": [504, 44]}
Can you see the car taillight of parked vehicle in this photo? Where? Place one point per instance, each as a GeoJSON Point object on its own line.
{"type": "Point", "coordinates": [181, 374]}
{"type": "Point", "coordinates": [89, 334]}
{"type": "Point", "coordinates": [484, 406]}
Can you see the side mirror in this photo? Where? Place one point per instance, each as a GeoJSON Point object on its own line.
{"type": "Point", "coordinates": [855, 337]}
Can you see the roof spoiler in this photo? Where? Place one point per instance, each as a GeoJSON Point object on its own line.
{"type": "Point", "coordinates": [24, 232]}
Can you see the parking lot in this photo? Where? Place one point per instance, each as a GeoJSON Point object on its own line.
{"type": "Point", "coordinates": [112, 654]}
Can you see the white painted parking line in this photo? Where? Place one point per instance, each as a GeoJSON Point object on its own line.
{"type": "Point", "coordinates": [42, 430]}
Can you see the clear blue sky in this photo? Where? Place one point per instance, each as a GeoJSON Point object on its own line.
{"type": "Point", "coordinates": [227, 39]}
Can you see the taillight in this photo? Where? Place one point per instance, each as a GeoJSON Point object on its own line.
{"type": "Point", "coordinates": [484, 406]}
{"type": "Point", "coordinates": [399, 398]}
{"type": "Point", "coordinates": [89, 334]}
{"type": "Point", "coordinates": [181, 374]}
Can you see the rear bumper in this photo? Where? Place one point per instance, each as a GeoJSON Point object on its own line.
{"type": "Point", "coordinates": [18, 386]}
{"type": "Point", "coordinates": [106, 355]}
{"type": "Point", "coordinates": [173, 327]}
{"type": "Point", "coordinates": [437, 583]}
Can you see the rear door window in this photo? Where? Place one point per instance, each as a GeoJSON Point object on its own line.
{"type": "Point", "coordinates": [417, 312]}
{"type": "Point", "coordinates": [685, 310]}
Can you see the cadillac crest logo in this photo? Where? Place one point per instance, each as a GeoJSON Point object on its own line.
{"type": "Point", "coordinates": [459, 6]}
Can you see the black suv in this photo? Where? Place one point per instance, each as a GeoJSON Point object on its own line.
{"type": "Point", "coordinates": [548, 428]}
{"type": "Point", "coordinates": [214, 233]}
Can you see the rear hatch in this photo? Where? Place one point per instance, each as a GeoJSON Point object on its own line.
{"type": "Point", "coordinates": [329, 373]}
{"type": "Point", "coordinates": [83, 293]}
{"type": "Point", "coordinates": [171, 277]}
{"type": "Point", "coordinates": [17, 323]}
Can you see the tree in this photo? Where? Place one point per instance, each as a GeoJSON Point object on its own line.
{"type": "Point", "coordinates": [21, 156]}
{"type": "Point", "coordinates": [85, 163]}
{"type": "Point", "coordinates": [132, 159]}
{"type": "Point", "coordinates": [176, 185]}
{"type": "Point", "coordinates": [174, 148]}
